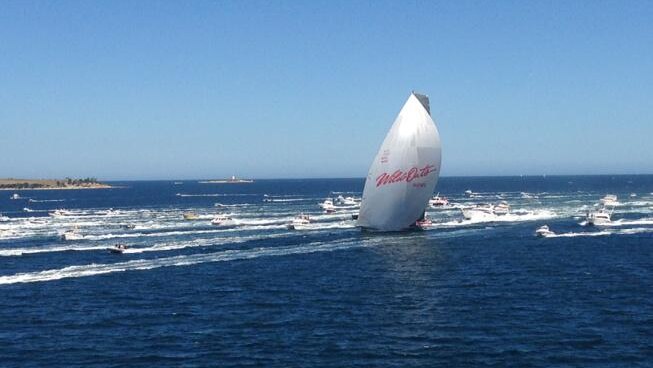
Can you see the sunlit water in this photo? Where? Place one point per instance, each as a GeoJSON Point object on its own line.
{"type": "Point", "coordinates": [463, 293]}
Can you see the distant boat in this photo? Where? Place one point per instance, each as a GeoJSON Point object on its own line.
{"type": "Point", "coordinates": [503, 208]}
{"type": "Point", "coordinates": [469, 193]}
{"type": "Point", "coordinates": [72, 234]}
{"type": "Point", "coordinates": [482, 211]}
{"type": "Point", "coordinates": [60, 213]}
{"type": "Point", "coordinates": [118, 249]}
{"type": "Point", "coordinates": [178, 183]}
{"type": "Point", "coordinates": [438, 201]}
{"type": "Point", "coordinates": [328, 206]}
{"type": "Point", "coordinates": [190, 216]}
{"type": "Point", "coordinates": [424, 223]}
{"type": "Point", "coordinates": [543, 231]}
{"type": "Point", "coordinates": [3, 218]}
{"type": "Point", "coordinates": [223, 221]}
{"type": "Point", "coordinates": [15, 196]}
{"type": "Point", "coordinates": [599, 217]}
{"type": "Point", "coordinates": [300, 222]}
{"type": "Point", "coordinates": [609, 200]}
{"type": "Point", "coordinates": [232, 180]}
{"type": "Point", "coordinates": [404, 172]}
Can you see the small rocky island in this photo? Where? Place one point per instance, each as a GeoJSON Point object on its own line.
{"type": "Point", "coordinates": [67, 183]}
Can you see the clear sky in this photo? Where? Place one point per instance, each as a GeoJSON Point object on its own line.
{"type": "Point", "coordinates": [276, 89]}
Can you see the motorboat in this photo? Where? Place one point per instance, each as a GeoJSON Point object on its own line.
{"type": "Point", "coordinates": [503, 208]}
{"type": "Point", "coordinates": [15, 196]}
{"type": "Point", "coordinates": [190, 216]}
{"type": "Point", "coordinates": [609, 200]}
{"type": "Point", "coordinates": [424, 223]}
{"type": "Point", "coordinates": [72, 234]}
{"type": "Point", "coordinates": [543, 231]}
{"type": "Point", "coordinates": [3, 218]}
{"type": "Point", "coordinates": [346, 201]}
{"type": "Point", "coordinates": [469, 193]}
{"type": "Point", "coordinates": [599, 217]}
{"type": "Point", "coordinates": [328, 206]}
{"type": "Point", "coordinates": [299, 222]}
{"type": "Point", "coordinates": [222, 220]}
{"type": "Point", "coordinates": [26, 209]}
{"type": "Point", "coordinates": [118, 249]}
{"type": "Point", "coordinates": [60, 213]}
{"type": "Point", "coordinates": [482, 211]}
{"type": "Point", "coordinates": [438, 201]}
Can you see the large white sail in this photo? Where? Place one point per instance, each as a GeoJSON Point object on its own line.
{"type": "Point", "coordinates": [404, 172]}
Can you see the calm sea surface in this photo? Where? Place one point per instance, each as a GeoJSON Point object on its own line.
{"type": "Point", "coordinates": [470, 293]}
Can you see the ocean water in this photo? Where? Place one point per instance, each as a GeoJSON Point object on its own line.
{"type": "Point", "coordinates": [463, 293]}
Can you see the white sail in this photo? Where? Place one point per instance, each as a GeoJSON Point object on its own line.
{"type": "Point", "coordinates": [405, 171]}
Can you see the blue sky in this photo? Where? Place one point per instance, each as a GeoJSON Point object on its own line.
{"type": "Point", "coordinates": [155, 90]}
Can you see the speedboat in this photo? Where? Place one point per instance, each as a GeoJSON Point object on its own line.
{"type": "Point", "coordinates": [424, 223]}
{"type": "Point", "coordinates": [348, 201]}
{"type": "Point", "coordinates": [60, 213]}
{"type": "Point", "coordinates": [15, 196]}
{"type": "Point", "coordinates": [469, 193]}
{"type": "Point", "coordinates": [543, 231]}
{"type": "Point", "coordinates": [27, 209]}
{"type": "Point", "coordinates": [118, 249]}
{"type": "Point", "coordinates": [482, 211]}
{"type": "Point", "coordinates": [438, 201]}
{"type": "Point", "coordinates": [222, 220]}
{"type": "Point", "coordinates": [503, 208]}
{"type": "Point", "coordinates": [190, 216]}
{"type": "Point", "coordinates": [72, 234]}
{"type": "Point", "coordinates": [609, 200]}
{"type": "Point", "coordinates": [328, 206]}
{"type": "Point", "coordinates": [300, 221]}
{"type": "Point", "coordinates": [599, 217]}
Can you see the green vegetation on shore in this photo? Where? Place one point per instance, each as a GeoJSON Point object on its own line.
{"type": "Point", "coordinates": [67, 183]}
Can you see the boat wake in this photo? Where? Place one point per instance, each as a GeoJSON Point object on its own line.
{"type": "Point", "coordinates": [183, 260]}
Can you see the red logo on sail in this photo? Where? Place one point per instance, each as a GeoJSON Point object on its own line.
{"type": "Point", "coordinates": [404, 176]}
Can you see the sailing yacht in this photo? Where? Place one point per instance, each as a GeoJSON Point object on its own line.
{"type": "Point", "coordinates": [404, 172]}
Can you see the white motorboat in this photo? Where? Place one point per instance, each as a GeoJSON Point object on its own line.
{"type": "Point", "coordinates": [609, 200]}
{"type": "Point", "coordinates": [223, 221]}
{"type": "Point", "coordinates": [27, 209]}
{"type": "Point", "coordinates": [503, 208]}
{"type": "Point", "coordinates": [438, 201]}
{"type": "Point", "coordinates": [599, 217]}
{"type": "Point", "coordinates": [346, 201]}
{"type": "Point", "coordinates": [72, 234]}
{"type": "Point", "coordinates": [3, 218]}
{"type": "Point", "coordinates": [60, 213]}
{"type": "Point", "coordinates": [328, 206]}
{"type": "Point", "coordinates": [469, 193]}
{"type": "Point", "coordinates": [543, 231]}
{"type": "Point", "coordinates": [405, 171]}
{"type": "Point", "coordinates": [118, 249]}
{"type": "Point", "coordinates": [482, 211]}
{"type": "Point", "coordinates": [300, 221]}
{"type": "Point", "coordinates": [15, 196]}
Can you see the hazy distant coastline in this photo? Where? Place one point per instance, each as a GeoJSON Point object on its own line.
{"type": "Point", "coordinates": [49, 184]}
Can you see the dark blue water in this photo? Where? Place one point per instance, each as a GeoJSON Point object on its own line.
{"type": "Point", "coordinates": [463, 293]}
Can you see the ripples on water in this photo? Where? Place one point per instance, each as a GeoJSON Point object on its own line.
{"type": "Point", "coordinates": [464, 293]}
